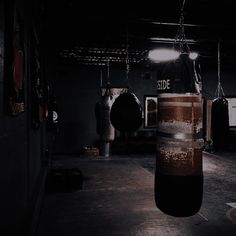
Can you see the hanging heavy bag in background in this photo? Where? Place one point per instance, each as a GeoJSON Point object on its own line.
{"type": "Point", "coordinates": [220, 122]}
{"type": "Point", "coordinates": [179, 176]}
{"type": "Point", "coordinates": [126, 113]}
{"type": "Point", "coordinates": [104, 126]}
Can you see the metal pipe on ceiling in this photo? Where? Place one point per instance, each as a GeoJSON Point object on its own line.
{"type": "Point", "coordinates": [190, 41]}
{"type": "Point", "coordinates": [172, 40]}
{"type": "Point", "coordinates": [151, 21]}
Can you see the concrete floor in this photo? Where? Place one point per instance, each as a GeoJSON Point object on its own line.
{"type": "Point", "coordinates": [118, 199]}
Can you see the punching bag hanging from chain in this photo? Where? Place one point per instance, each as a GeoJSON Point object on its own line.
{"type": "Point", "coordinates": [102, 112]}
{"type": "Point", "coordinates": [220, 115]}
{"type": "Point", "coordinates": [107, 132]}
{"type": "Point", "coordinates": [178, 175]}
{"type": "Point", "coordinates": [126, 111]}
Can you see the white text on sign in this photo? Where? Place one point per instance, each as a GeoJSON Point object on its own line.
{"type": "Point", "coordinates": [163, 84]}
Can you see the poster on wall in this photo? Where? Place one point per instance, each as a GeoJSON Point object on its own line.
{"type": "Point", "coordinates": [232, 111]}
{"type": "Point", "coordinates": [39, 86]}
{"type": "Point", "coordinates": [16, 94]}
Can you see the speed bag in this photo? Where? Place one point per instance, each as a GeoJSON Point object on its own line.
{"type": "Point", "coordinates": [220, 122]}
{"type": "Point", "coordinates": [126, 113]}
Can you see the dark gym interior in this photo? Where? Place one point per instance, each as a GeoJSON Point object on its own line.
{"type": "Point", "coordinates": [97, 138]}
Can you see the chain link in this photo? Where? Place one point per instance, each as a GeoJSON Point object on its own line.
{"type": "Point", "coordinates": [127, 59]}
{"type": "Point", "coordinates": [108, 71]}
{"type": "Point", "coordinates": [219, 90]}
{"type": "Point", "coordinates": [180, 38]}
{"type": "Point", "coordinates": [127, 56]}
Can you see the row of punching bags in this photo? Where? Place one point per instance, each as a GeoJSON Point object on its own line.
{"type": "Point", "coordinates": [178, 175]}
{"type": "Point", "coordinates": [124, 115]}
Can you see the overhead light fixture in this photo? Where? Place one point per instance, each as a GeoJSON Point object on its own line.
{"type": "Point", "coordinates": [163, 55]}
{"type": "Point", "coordinates": [193, 55]}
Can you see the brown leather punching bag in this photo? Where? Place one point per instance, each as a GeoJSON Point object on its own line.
{"type": "Point", "coordinates": [179, 176]}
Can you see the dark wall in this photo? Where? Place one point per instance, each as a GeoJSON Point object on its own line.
{"type": "Point", "coordinates": [21, 147]}
{"type": "Point", "coordinates": [210, 82]}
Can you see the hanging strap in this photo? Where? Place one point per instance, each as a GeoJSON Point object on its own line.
{"type": "Point", "coordinates": [219, 93]}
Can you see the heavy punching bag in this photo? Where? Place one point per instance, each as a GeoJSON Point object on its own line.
{"type": "Point", "coordinates": [126, 113]}
{"type": "Point", "coordinates": [179, 176]}
{"type": "Point", "coordinates": [220, 114]}
{"type": "Point", "coordinates": [220, 123]}
{"type": "Point", "coordinates": [107, 131]}
{"type": "Point", "coordinates": [104, 126]}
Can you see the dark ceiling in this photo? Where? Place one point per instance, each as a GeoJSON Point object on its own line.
{"type": "Point", "coordinates": [98, 30]}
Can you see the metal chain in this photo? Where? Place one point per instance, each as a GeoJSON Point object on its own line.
{"type": "Point", "coordinates": [218, 64]}
{"type": "Point", "coordinates": [219, 90]}
{"type": "Point", "coordinates": [101, 80]}
{"type": "Point", "coordinates": [108, 87]}
{"type": "Point", "coordinates": [108, 71]}
{"type": "Point", "coordinates": [180, 38]}
{"type": "Point", "coordinates": [127, 59]}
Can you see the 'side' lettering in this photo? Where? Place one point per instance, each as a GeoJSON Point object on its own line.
{"type": "Point", "coordinates": [163, 84]}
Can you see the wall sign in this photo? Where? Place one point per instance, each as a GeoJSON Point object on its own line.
{"type": "Point", "coordinates": [232, 111]}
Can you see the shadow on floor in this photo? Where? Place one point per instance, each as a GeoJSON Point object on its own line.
{"type": "Point", "coordinates": [64, 180]}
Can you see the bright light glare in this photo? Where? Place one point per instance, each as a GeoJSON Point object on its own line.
{"type": "Point", "coordinates": [162, 55]}
{"type": "Point", "coordinates": [193, 55]}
